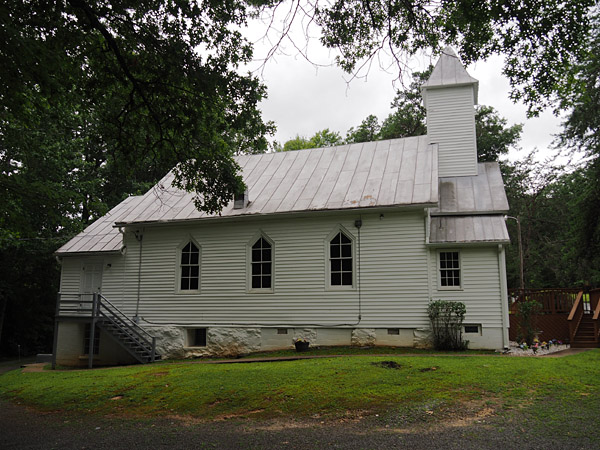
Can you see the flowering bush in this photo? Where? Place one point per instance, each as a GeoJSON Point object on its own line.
{"type": "Point", "coordinates": [537, 345]}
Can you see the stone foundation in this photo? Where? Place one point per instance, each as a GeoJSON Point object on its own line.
{"type": "Point", "coordinates": [364, 337]}
{"type": "Point", "coordinates": [174, 342]}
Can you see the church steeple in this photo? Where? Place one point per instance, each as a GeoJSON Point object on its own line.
{"type": "Point", "coordinates": [450, 95]}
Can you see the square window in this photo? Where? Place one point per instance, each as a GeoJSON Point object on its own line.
{"type": "Point", "coordinates": [393, 331]}
{"type": "Point", "coordinates": [197, 337]}
{"type": "Point", "coordinates": [472, 329]}
{"type": "Point", "coordinates": [449, 269]}
{"type": "Point", "coordinates": [282, 331]}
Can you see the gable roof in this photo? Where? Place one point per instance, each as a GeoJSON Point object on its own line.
{"type": "Point", "coordinates": [448, 72]}
{"type": "Point", "coordinates": [101, 236]}
{"type": "Point", "coordinates": [397, 172]}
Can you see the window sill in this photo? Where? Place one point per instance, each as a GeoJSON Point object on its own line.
{"type": "Point", "coordinates": [260, 291]}
{"type": "Point", "coordinates": [340, 288]}
{"type": "Point", "coordinates": [188, 292]}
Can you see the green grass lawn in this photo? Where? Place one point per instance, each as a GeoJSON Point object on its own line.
{"type": "Point", "coordinates": [546, 389]}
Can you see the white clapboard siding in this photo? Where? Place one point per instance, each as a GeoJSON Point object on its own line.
{"type": "Point", "coordinates": [393, 274]}
{"type": "Point", "coordinates": [480, 278]}
{"type": "Point", "coordinates": [70, 275]}
{"type": "Point", "coordinates": [451, 125]}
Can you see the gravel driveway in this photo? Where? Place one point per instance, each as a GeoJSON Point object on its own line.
{"type": "Point", "coordinates": [24, 428]}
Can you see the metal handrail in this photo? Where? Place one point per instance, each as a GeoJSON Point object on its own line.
{"type": "Point", "coordinates": [127, 319]}
{"type": "Point", "coordinates": [130, 332]}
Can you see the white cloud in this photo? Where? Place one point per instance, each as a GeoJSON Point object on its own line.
{"type": "Point", "coordinates": [304, 98]}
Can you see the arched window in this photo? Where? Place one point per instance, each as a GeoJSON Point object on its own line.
{"type": "Point", "coordinates": [261, 261]}
{"type": "Point", "coordinates": [190, 267]}
{"type": "Point", "coordinates": [340, 260]}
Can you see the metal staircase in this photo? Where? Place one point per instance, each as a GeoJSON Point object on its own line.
{"type": "Point", "coordinates": [101, 313]}
{"type": "Point", "coordinates": [126, 332]}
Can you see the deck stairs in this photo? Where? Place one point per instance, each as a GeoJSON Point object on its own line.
{"type": "Point", "coordinates": [584, 323]}
{"type": "Point", "coordinates": [585, 336]}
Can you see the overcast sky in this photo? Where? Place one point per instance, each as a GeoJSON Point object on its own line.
{"type": "Point", "coordinates": [304, 98]}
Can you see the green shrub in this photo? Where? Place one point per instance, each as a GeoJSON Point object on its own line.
{"type": "Point", "coordinates": [446, 322]}
{"type": "Point", "coordinates": [528, 312]}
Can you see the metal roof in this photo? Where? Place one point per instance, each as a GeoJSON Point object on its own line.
{"type": "Point", "coordinates": [482, 193]}
{"type": "Point", "coordinates": [397, 172]}
{"type": "Point", "coordinates": [101, 236]}
{"type": "Point", "coordinates": [449, 71]}
{"type": "Point", "coordinates": [468, 229]}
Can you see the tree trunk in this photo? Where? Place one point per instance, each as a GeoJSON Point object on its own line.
{"type": "Point", "coordinates": [3, 302]}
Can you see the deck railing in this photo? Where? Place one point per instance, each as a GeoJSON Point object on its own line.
{"type": "Point", "coordinates": [575, 316]}
{"type": "Point", "coordinates": [553, 301]}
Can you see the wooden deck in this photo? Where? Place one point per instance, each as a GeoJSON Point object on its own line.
{"type": "Point", "coordinates": [570, 315]}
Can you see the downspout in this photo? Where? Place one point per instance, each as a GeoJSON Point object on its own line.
{"type": "Point", "coordinates": [358, 225]}
{"type": "Point", "coordinates": [503, 296]}
{"type": "Point", "coordinates": [428, 252]}
{"type": "Point", "coordinates": [123, 252]}
{"type": "Point", "coordinates": [139, 236]}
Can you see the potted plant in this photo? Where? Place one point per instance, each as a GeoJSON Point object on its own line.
{"type": "Point", "coordinates": [301, 344]}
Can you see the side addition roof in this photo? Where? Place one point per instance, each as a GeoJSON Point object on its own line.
{"type": "Point", "coordinates": [468, 229]}
{"type": "Point", "coordinates": [471, 209]}
{"type": "Point", "coordinates": [398, 172]}
{"type": "Point", "coordinates": [481, 194]}
{"type": "Point", "coordinates": [101, 236]}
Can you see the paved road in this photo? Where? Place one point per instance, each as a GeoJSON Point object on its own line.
{"type": "Point", "coordinates": [23, 428]}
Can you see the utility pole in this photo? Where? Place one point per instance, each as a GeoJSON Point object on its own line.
{"type": "Point", "coordinates": [520, 251]}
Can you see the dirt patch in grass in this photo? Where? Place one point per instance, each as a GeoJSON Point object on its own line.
{"type": "Point", "coordinates": [388, 364]}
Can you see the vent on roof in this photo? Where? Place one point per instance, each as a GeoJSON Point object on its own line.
{"type": "Point", "coordinates": [240, 200]}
